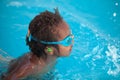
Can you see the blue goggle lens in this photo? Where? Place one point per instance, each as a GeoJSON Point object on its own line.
{"type": "Point", "coordinates": [65, 42]}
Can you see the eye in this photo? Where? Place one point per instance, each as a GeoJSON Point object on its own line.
{"type": "Point", "coordinates": [69, 40]}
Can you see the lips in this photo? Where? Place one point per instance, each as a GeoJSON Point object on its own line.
{"type": "Point", "coordinates": [70, 49]}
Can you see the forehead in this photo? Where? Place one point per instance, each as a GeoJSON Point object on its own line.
{"type": "Point", "coordinates": [63, 30]}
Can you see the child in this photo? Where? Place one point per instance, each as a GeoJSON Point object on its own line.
{"type": "Point", "coordinates": [48, 38]}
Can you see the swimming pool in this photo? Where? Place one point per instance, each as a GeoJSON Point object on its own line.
{"type": "Point", "coordinates": [95, 24]}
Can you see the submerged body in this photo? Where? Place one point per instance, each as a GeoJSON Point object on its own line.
{"type": "Point", "coordinates": [28, 65]}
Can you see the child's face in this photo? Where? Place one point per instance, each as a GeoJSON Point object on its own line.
{"type": "Point", "coordinates": [64, 31]}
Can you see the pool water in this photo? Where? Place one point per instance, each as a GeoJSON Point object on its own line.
{"type": "Point", "coordinates": [94, 23]}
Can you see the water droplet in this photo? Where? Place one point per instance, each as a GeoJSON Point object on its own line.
{"type": "Point", "coordinates": [116, 4]}
{"type": "Point", "coordinates": [114, 14]}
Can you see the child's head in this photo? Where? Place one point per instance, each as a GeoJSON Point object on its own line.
{"type": "Point", "coordinates": [46, 30]}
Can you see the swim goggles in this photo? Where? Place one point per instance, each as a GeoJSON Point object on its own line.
{"type": "Point", "coordinates": [67, 41]}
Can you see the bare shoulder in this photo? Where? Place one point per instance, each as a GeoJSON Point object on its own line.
{"type": "Point", "coordinates": [22, 60]}
{"type": "Point", "coordinates": [19, 68]}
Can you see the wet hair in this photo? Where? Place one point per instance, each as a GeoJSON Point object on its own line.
{"type": "Point", "coordinates": [43, 27]}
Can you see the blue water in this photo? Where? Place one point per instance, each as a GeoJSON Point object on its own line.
{"type": "Point", "coordinates": [95, 24]}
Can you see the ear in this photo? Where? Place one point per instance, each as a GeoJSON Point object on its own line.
{"type": "Point", "coordinates": [49, 50]}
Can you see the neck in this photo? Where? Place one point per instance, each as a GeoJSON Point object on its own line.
{"type": "Point", "coordinates": [51, 59]}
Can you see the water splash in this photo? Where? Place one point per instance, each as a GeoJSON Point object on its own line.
{"type": "Point", "coordinates": [113, 56]}
{"type": "Point", "coordinates": [4, 61]}
{"type": "Point", "coordinates": [4, 56]}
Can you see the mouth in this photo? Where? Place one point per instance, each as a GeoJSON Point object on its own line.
{"type": "Point", "coordinates": [70, 49]}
